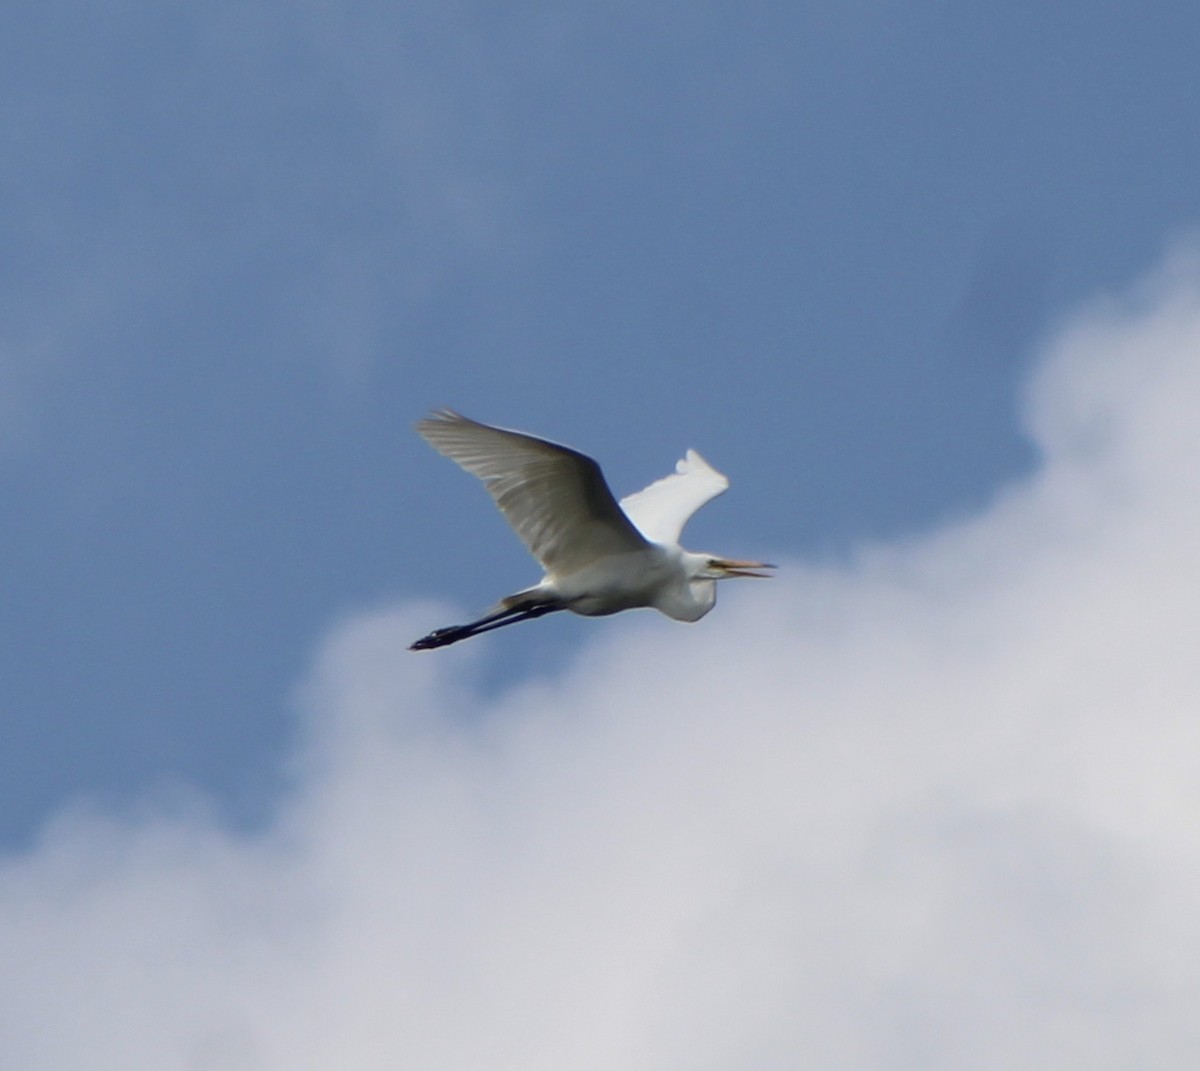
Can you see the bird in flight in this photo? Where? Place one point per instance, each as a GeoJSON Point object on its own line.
{"type": "Point", "coordinates": [599, 556]}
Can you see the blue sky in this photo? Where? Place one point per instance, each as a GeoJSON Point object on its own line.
{"type": "Point", "coordinates": [246, 246]}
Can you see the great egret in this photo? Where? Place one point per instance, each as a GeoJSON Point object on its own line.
{"type": "Point", "coordinates": [599, 557]}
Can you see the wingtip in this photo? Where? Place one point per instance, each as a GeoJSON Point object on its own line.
{"type": "Point", "coordinates": [437, 418]}
{"type": "Point", "coordinates": [693, 462]}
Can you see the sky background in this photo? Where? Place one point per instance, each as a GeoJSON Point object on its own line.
{"type": "Point", "coordinates": [921, 279]}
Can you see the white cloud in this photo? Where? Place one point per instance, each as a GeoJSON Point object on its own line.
{"type": "Point", "coordinates": [932, 809]}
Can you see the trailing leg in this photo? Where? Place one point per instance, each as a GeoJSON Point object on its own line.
{"type": "Point", "coordinates": [442, 637]}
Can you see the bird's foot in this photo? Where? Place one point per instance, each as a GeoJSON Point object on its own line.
{"type": "Point", "coordinates": [440, 637]}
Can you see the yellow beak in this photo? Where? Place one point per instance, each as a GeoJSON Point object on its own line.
{"type": "Point", "coordinates": [733, 567]}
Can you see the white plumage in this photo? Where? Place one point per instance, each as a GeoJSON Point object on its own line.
{"type": "Point", "coordinates": [661, 510]}
{"type": "Point", "coordinates": [599, 556]}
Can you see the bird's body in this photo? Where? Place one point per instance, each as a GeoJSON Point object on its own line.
{"type": "Point", "coordinates": [600, 556]}
{"type": "Point", "coordinates": [650, 576]}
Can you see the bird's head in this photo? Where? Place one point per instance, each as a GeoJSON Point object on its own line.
{"type": "Point", "coordinates": [714, 568]}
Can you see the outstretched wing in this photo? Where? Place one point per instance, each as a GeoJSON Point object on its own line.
{"type": "Point", "coordinates": [554, 497]}
{"type": "Point", "coordinates": [662, 509]}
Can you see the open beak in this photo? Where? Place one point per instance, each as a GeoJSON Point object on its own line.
{"type": "Point", "coordinates": [733, 567]}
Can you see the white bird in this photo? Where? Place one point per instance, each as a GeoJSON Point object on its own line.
{"type": "Point", "coordinates": [599, 557]}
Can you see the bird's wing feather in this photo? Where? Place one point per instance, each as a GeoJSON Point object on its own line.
{"type": "Point", "coordinates": [555, 498]}
{"type": "Point", "coordinates": [661, 510]}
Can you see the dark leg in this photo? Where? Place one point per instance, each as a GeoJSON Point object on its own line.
{"type": "Point", "coordinates": [442, 637]}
